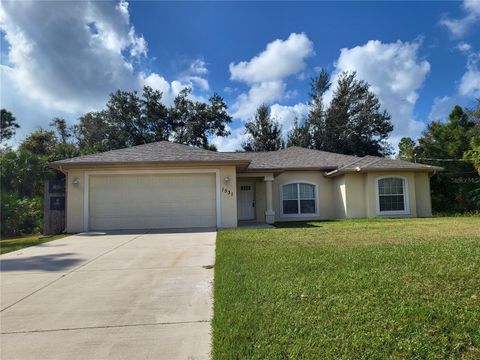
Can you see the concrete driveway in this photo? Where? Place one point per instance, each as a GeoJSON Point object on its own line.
{"type": "Point", "coordinates": [143, 295]}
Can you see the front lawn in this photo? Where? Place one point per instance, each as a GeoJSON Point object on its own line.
{"type": "Point", "coordinates": [20, 242]}
{"type": "Point", "coordinates": [371, 289]}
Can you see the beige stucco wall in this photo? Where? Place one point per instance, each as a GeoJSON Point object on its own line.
{"type": "Point", "coordinates": [339, 195]}
{"type": "Point", "coordinates": [355, 195]}
{"type": "Point", "coordinates": [422, 192]}
{"type": "Point", "coordinates": [74, 202]}
{"type": "Point", "coordinates": [324, 194]}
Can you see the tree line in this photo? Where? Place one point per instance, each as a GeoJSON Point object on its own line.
{"type": "Point", "coordinates": [455, 146]}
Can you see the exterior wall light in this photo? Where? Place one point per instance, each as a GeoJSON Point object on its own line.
{"type": "Point", "coordinates": [226, 179]}
{"type": "Point", "coordinates": [76, 182]}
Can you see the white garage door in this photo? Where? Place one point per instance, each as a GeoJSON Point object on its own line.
{"type": "Point", "coordinates": [151, 201]}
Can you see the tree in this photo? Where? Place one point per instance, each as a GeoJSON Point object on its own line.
{"type": "Point", "coordinates": [92, 133]}
{"type": "Point", "coordinates": [60, 125]}
{"type": "Point", "coordinates": [354, 123]}
{"type": "Point", "coordinates": [452, 188]}
{"type": "Point", "coordinates": [23, 172]}
{"type": "Point", "coordinates": [406, 149]}
{"type": "Point", "coordinates": [8, 125]}
{"type": "Point", "coordinates": [195, 122]}
{"type": "Point", "coordinates": [22, 180]}
{"type": "Point", "coordinates": [299, 135]}
{"type": "Point", "coordinates": [315, 124]}
{"type": "Point", "coordinates": [40, 142]}
{"type": "Point", "coordinates": [474, 153]}
{"type": "Point", "coordinates": [264, 132]}
{"type": "Point", "coordinates": [130, 120]}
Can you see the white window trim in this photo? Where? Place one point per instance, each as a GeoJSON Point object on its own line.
{"type": "Point", "coordinates": [299, 215]}
{"type": "Point", "coordinates": [86, 186]}
{"type": "Point", "coordinates": [405, 196]}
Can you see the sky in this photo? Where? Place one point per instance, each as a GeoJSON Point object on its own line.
{"type": "Point", "coordinates": [63, 59]}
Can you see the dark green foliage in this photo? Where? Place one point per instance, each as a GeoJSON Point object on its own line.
{"type": "Point", "coordinates": [355, 289]}
{"type": "Point", "coordinates": [92, 133]}
{"type": "Point", "coordinates": [316, 119]}
{"type": "Point", "coordinates": [455, 188]}
{"type": "Point", "coordinates": [20, 215]}
{"type": "Point", "coordinates": [406, 149]}
{"type": "Point", "coordinates": [299, 135]}
{"type": "Point", "coordinates": [354, 124]}
{"type": "Point", "coordinates": [194, 122]}
{"type": "Point", "coordinates": [351, 124]}
{"type": "Point", "coordinates": [22, 180]}
{"type": "Point", "coordinates": [264, 132]}
{"type": "Point", "coordinates": [8, 125]}
{"type": "Point", "coordinates": [40, 142]}
{"type": "Point", "coordinates": [130, 120]}
{"type": "Point", "coordinates": [474, 153]}
{"type": "Point", "coordinates": [23, 172]}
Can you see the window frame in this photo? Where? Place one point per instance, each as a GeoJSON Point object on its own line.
{"type": "Point", "coordinates": [406, 210]}
{"type": "Point", "coordinates": [299, 214]}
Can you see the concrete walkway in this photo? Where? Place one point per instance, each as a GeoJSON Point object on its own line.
{"type": "Point", "coordinates": [143, 295]}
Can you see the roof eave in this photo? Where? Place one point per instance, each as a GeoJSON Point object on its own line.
{"type": "Point", "coordinates": [378, 169]}
{"type": "Point", "coordinates": [58, 165]}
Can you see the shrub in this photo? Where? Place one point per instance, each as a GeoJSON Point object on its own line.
{"type": "Point", "coordinates": [20, 215]}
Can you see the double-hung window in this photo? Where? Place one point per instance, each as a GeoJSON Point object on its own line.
{"type": "Point", "coordinates": [392, 196]}
{"type": "Point", "coordinates": [299, 199]}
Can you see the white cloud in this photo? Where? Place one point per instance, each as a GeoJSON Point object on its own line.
{"type": "Point", "coordinates": [468, 89]}
{"type": "Point", "coordinates": [69, 55]}
{"type": "Point", "coordinates": [231, 143]}
{"type": "Point", "coordinates": [261, 93]}
{"type": "Point", "coordinates": [266, 72]}
{"type": "Point", "coordinates": [470, 81]}
{"type": "Point", "coordinates": [280, 59]}
{"type": "Point", "coordinates": [464, 47]}
{"type": "Point", "coordinates": [198, 67]}
{"type": "Point", "coordinates": [442, 106]}
{"type": "Point", "coordinates": [286, 115]}
{"type": "Point", "coordinates": [459, 27]}
{"type": "Point", "coordinates": [395, 73]}
{"type": "Point", "coordinates": [65, 58]}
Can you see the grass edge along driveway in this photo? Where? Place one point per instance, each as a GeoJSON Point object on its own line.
{"type": "Point", "coordinates": [10, 244]}
{"type": "Point", "coordinates": [377, 288]}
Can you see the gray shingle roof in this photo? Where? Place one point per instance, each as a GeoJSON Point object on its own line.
{"type": "Point", "coordinates": [285, 159]}
{"type": "Point", "coordinates": [294, 158]}
{"type": "Point", "coordinates": [156, 152]}
{"type": "Point", "coordinates": [369, 163]}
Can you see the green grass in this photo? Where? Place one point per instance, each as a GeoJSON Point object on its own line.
{"type": "Point", "coordinates": [19, 242]}
{"type": "Point", "coordinates": [371, 289]}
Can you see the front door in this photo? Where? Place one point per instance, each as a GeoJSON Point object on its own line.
{"type": "Point", "coordinates": [246, 201]}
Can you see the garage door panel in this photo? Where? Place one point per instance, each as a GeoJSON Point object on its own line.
{"type": "Point", "coordinates": [151, 201]}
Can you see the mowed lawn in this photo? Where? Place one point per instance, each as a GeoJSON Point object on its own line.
{"type": "Point", "coordinates": [20, 242]}
{"type": "Point", "coordinates": [372, 289]}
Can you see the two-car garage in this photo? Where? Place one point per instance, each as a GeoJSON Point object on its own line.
{"type": "Point", "coordinates": [151, 200]}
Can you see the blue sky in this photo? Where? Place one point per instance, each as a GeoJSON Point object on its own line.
{"type": "Point", "coordinates": [62, 59]}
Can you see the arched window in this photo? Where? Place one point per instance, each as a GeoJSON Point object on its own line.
{"type": "Point", "coordinates": [299, 199]}
{"type": "Point", "coordinates": [392, 196]}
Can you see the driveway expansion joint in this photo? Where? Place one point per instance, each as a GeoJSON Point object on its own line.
{"type": "Point", "coordinates": [106, 327]}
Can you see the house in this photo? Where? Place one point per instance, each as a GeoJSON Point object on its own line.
{"type": "Point", "coordinates": [167, 185]}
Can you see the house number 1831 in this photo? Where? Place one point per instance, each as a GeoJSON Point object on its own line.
{"type": "Point", "coordinates": [227, 191]}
